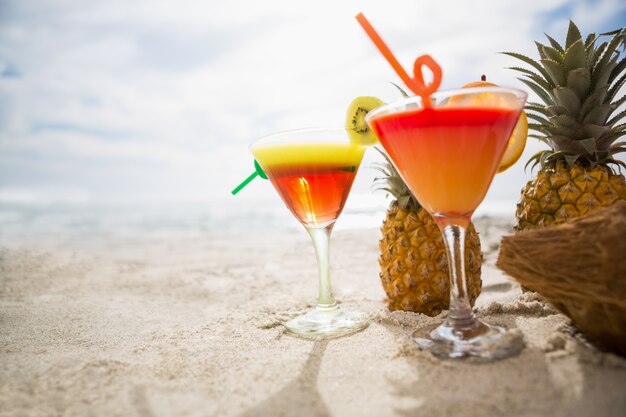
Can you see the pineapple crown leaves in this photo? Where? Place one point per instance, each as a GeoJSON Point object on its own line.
{"type": "Point", "coordinates": [393, 184]}
{"type": "Point", "coordinates": [579, 117]}
{"type": "Point", "coordinates": [402, 91]}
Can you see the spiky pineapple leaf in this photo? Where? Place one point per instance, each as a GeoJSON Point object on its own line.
{"type": "Point", "coordinates": [620, 127]}
{"type": "Point", "coordinates": [570, 159]}
{"type": "Point", "coordinates": [565, 120]}
{"type": "Point", "coordinates": [616, 118]}
{"type": "Point", "coordinates": [567, 98]}
{"type": "Point", "coordinates": [595, 131]}
{"type": "Point", "coordinates": [540, 47]}
{"type": "Point", "coordinates": [621, 66]}
{"type": "Point", "coordinates": [621, 164]}
{"type": "Point", "coordinates": [565, 143]}
{"type": "Point", "coordinates": [600, 156]}
{"type": "Point", "coordinates": [385, 189]}
{"type": "Point", "coordinates": [556, 110]}
{"type": "Point", "coordinates": [573, 35]}
{"type": "Point", "coordinates": [391, 169]}
{"type": "Point", "coordinates": [579, 80]}
{"type": "Point", "coordinates": [615, 88]}
{"type": "Point", "coordinates": [536, 107]}
{"type": "Point", "coordinates": [589, 144]}
{"type": "Point", "coordinates": [392, 183]}
{"type": "Point", "coordinates": [540, 138]}
{"type": "Point", "coordinates": [543, 94]}
{"type": "Point", "coordinates": [404, 93]}
{"type": "Point", "coordinates": [538, 127]}
{"type": "Point", "coordinates": [548, 158]}
{"type": "Point", "coordinates": [594, 99]}
{"type": "Point", "coordinates": [591, 38]}
{"type": "Point", "coordinates": [554, 43]}
{"type": "Point", "coordinates": [597, 54]}
{"type": "Point", "coordinates": [553, 54]}
{"type": "Point", "coordinates": [619, 34]}
{"type": "Point", "coordinates": [553, 158]}
{"type": "Point", "coordinates": [601, 78]}
{"type": "Point", "coordinates": [540, 81]}
{"type": "Point", "coordinates": [620, 101]}
{"type": "Point", "coordinates": [603, 66]}
{"type": "Point", "coordinates": [598, 115]}
{"type": "Point", "coordinates": [611, 33]}
{"type": "Point", "coordinates": [395, 183]}
{"type": "Point", "coordinates": [592, 55]}
{"type": "Point", "coordinates": [612, 136]}
{"type": "Point", "coordinates": [530, 62]}
{"type": "Point", "coordinates": [404, 201]}
{"type": "Point", "coordinates": [557, 130]}
{"type": "Point", "coordinates": [382, 168]}
{"type": "Point", "coordinates": [556, 71]}
{"type": "Point", "coordinates": [538, 118]}
{"type": "Point", "coordinates": [575, 56]}
{"type": "Point", "coordinates": [618, 147]}
{"type": "Point", "coordinates": [383, 153]}
{"type": "Point", "coordinates": [534, 76]}
{"type": "Point", "coordinates": [534, 160]}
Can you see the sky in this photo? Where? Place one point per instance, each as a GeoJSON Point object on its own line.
{"type": "Point", "coordinates": [149, 101]}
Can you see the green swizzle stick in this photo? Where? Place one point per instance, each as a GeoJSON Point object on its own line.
{"type": "Point", "coordinates": [258, 171]}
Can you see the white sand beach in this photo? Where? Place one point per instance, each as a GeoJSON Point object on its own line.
{"type": "Point", "coordinates": [192, 327]}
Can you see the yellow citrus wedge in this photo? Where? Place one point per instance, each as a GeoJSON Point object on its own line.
{"type": "Point", "coordinates": [517, 141]}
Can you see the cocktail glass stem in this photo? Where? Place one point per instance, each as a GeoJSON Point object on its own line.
{"type": "Point", "coordinates": [326, 319]}
{"type": "Point", "coordinates": [321, 241]}
{"type": "Point", "coordinates": [460, 314]}
{"type": "Point", "coordinates": [462, 333]}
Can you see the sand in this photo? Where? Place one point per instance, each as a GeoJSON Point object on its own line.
{"type": "Point", "coordinates": [190, 326]}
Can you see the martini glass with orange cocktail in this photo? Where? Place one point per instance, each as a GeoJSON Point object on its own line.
{"type": "Point", "coordinates": [313, 170]}
{"type": "Point", "coordinates": [448, 146]}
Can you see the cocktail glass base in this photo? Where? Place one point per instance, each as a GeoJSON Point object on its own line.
{"type": "Point", "coordinates": [475, 339]}
{"type": "Point", "coordinates": [325, 323]}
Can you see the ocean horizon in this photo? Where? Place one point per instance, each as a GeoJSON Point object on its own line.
{"type": "Point", "coordinates": [30, 218]}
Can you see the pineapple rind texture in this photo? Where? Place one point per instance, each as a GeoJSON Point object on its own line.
{"type": "Point", "coordinates": [414, 265]}
{"type": "Point", "coordinates": [562, 193]}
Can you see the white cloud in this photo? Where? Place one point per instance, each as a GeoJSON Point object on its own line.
{"type": "Point", "coordinates": [171, 92]}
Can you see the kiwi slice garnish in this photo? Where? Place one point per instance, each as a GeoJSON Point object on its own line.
{"type": "Point", "coordinates": [356, 126]}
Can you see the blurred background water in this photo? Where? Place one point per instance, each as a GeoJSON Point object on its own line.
{"type": "Point", "coordinates": [27, 223]}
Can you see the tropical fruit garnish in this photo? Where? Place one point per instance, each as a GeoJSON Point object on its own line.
{"type": "Point", "coordinates": [413, 262]}
{"type": "Point", "coordinates": [517, 141]}
{"type": "Point", "coordinates": [477, 100]}
{"type": "Point", "coordinates": [580, 118]}
{"type": "Point", "coordinates": [357, 128]}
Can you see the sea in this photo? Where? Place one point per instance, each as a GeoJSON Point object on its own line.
{"type": "Point", "coordinates": [32, 220]}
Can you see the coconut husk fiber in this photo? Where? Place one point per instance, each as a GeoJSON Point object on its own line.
{"type": "Point", "coordinates": [580, 267]}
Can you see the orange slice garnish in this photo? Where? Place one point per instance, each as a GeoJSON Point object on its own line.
{"type": "Point", "coordinates": [517, 143]}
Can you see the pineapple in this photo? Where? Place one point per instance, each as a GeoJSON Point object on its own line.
{"type": "Point", "coordinates": [413, 260]}
{"type": "Point", "coordinates": [579, 120]}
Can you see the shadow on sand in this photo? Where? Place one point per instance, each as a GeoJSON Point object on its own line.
{"type": "Point", "coordinates": [300, 396]}
{"type": "Point", "coordinates": [526, 385]}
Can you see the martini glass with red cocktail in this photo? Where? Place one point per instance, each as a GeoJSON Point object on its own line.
{"type": "Point", "coordinates": [447, 147]}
